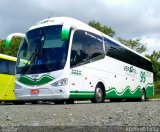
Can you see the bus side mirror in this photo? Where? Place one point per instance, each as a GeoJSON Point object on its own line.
{"type": "Point", "coordinates": [65, 31]}
{"type": "Point", "coordinates": [9, 38]}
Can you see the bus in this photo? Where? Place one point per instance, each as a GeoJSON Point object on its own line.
{"type": "Point", "coordinates": [7, 78]}
{"type": "Point", "coordinates": [67, 60]}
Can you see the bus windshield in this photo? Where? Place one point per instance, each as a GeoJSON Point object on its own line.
{"type": "Point", "coordinates": [42, 51]}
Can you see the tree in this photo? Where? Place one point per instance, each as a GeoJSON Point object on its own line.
{"type": "Point", "coordinates": [2, 49]}
{"type": "Point", "coordinates": [155, 57]}
{"type": "Point", "coordinates": [106, 30]}
{"type": "Point", "coordinates": [134, 44]}
{"type": "Point", "coordinates": [12, 49]}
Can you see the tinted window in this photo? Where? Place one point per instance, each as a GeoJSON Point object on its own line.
{"type": "Point", "coordinates": [11, 67]}
{"type": "Point", "coordinates": [3, 66]}
{"type": "Point", "coordinates": [86, 47]}
{"type": "Point", "coordinates": [7, 67]}
{"type": "Point", "coordinates": [118, 52]}
{"type": "Point", "coordinates": [42, 51]}
{"type": "Point", "coordinates": [76, 53]}
{"type": "Point", "coordinates": [111, 49]}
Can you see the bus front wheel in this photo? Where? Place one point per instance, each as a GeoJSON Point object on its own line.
{"type": "Point", "coordinates": [70, 101]}
{"type": "Point", "coordinates": [19, 103]}
{"type": "Point", "coordinates": [59, 102]}
{"type": "Point", "coordinates": [99, 95]}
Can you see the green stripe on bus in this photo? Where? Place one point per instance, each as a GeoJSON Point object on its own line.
{"type": "Point", "coordinates": [127, 93]}
{"type": "Point", "coordinates": [112, 93]}
{"type": "Point", "coordinates": [81, 94]}
{"type": "Point", "coordinates": [29, 81]}
{"type": "Point", "coordinates": [149, 90]}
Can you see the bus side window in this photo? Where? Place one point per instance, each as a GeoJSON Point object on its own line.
{"type": "Point", "coordinates": [11, 67]}
{"type": "Point", "coordinates": [86, 47]}
{"type": "Point", "coordinates": [76, 54]}
{"type": "Point", "coordinates": [111, 49]}
{"type": "Point", "coordinates": [92, 47]}
{"type": "Point", "coordinates": [3, 66]}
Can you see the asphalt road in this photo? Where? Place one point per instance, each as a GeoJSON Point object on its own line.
{"type": "Point", "coordinates": [83, 114]}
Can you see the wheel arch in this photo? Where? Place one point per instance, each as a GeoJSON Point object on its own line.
{"type": "Point", "coordinates": [143, 89]}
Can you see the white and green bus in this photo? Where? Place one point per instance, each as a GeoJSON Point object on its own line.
{"type": "Point", "coordinates": [66, 60]}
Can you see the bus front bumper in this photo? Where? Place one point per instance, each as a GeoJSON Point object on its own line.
{"type": "Point", "coordinates": [54, 93]}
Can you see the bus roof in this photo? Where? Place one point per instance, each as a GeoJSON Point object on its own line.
{"type": "Point", "coordinates": [76, 24]}
{"type": "Point", "coordinates": [7, 57]}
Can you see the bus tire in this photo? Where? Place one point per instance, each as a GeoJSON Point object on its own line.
{"type": "Point", "coordinates": [34, 102]}
{"type": "Point", "coordinates": [70, 101]}
{"type": "Point", "coordinates": [19, 103]}
{"type": "Point", "coordinates": [115, 100]}
{"type": "Point", "coordinates": [98, 95]}
{"type": "Point", "coordinates": [143, 97]}
{"type": "Point", "coordinates": [59, 102]}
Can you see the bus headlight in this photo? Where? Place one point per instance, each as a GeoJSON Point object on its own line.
{"type": "Point", "coordinates": [61, 82]}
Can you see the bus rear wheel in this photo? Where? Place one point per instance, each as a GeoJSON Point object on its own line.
{"type": "Point", "coordinates": [99, 95]}
{"type": "Point", "coordinates": [143, 97]}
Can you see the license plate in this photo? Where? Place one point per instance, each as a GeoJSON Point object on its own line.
{"type": "Point", "coordinates": [34, 91]}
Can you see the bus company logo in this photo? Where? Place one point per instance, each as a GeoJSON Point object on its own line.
{"type": "Point", "coordinates": [45, 21]}
{"type": "Point", "coordinates": [130, 69]}
{"type": "Point", "coordinates": [34, 76]}
{"type": "Point", "coordinates": [76, 72]}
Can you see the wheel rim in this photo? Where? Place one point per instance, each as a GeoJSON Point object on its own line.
{"type": "Point", "coordinates": [143, 96]}
{"type": "Point", "coordinates": [99, 93]}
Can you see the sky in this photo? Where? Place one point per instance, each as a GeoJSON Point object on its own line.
{"type": "Point", "coordinates": [131, 19]}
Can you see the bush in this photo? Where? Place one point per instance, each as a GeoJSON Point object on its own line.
{"type": "Point", "coordinates": [157, 86]}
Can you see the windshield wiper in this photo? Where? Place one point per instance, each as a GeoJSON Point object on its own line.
{"type": "Point", "coordinates": [26, 67]}
{"type": "Point", "coordinates": [44, 57]}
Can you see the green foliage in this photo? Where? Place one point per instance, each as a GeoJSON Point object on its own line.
{"type": "Point", "coordinates": [155, 57]}
{"type": "Point", "coordinates": [156, 90]}
{"type": "Point", "coordinates": [134, 44]}
{"type": "Point", "coordinates": [12, 49]}
{"type": "Point", "coordinates": [2, 49]}
{"type": "Point", "coordinates": [104, 29]}
{"type": "Point", "coordinates": [157, 86]}
{"type": "Point", "coordinates": [131, 43]}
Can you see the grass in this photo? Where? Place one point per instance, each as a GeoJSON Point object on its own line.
{"type": "Point", "coordinates": [156, 96]}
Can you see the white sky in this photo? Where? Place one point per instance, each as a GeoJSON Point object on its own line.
{"type": "Point", "coordinates": [137, 19]}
